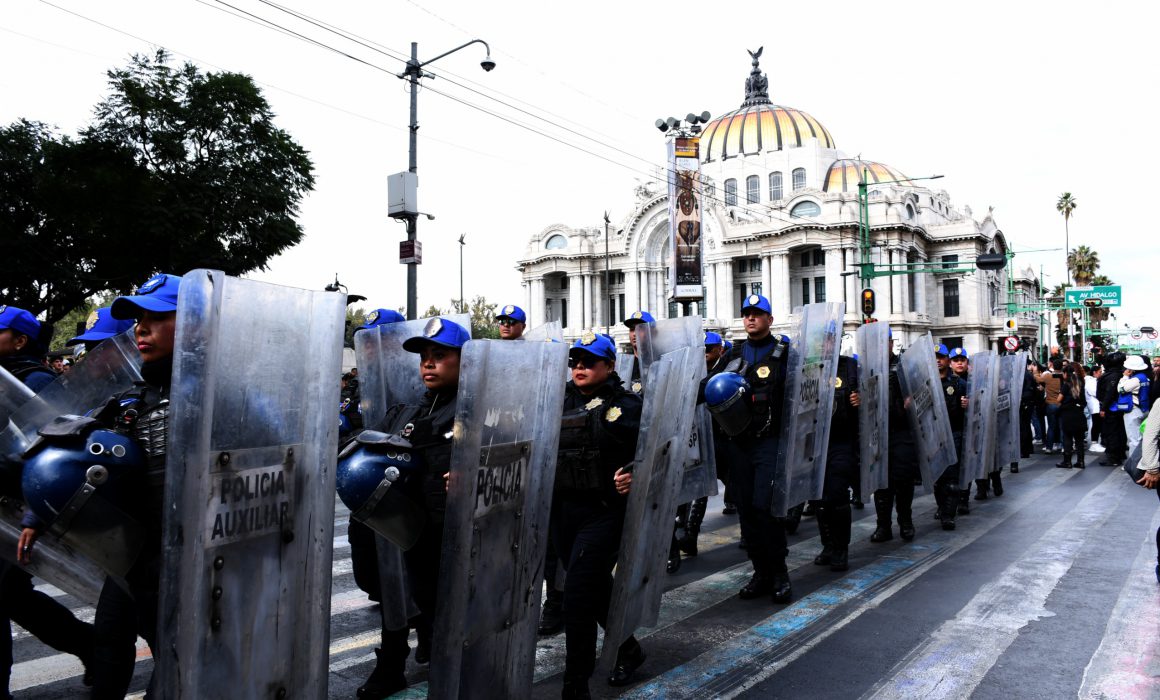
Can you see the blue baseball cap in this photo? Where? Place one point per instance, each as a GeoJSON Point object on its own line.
{"type": "Point", "coordinates": [728, 344]}
{"type": "Point", "coordinates": [438, 331]}
{"type": "Point", "coordinates": [941, 349]}
{"type": "Point", "coordinates": [712, 339]}
{"type": "Point", "coordinates": [513, 312]}
{"type": "Point", "coordinates": [101, 326]}
{"type": "Point", "coordinates": [381, 317]}
{"type": "Point", "coordinates": [20, 321]}
{"type": "Point", "coordinates": [756, 301]}
{"type": "Point", "coordinates": [159, 294]}
{"type": "Point", "coordinates": [596, 344]}
{"type": "Point", "coordinates": [959, 352]}
{"type": "Point", "coordinates": [638, 317]}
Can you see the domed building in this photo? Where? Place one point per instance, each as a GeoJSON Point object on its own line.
{"type": "Point", "coordinates": [780, 218]}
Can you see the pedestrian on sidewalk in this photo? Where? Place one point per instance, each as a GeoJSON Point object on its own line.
{"type": "Point", "coordinates": [1072, 421]}
{"type": "Point", "coordinates": [1095, 421]}
{"type": "Point", "coordinates": [1051, 381]}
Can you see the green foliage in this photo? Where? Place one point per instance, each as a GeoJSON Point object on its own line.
{"type": "Point", "coordinates": [181, 169]}
{"type": "Point", "coordinates": [355, 317]}
{"type": "Point", "coordinates": [67, 326]}
{"type": "Point", "coordinates": [1082, 263]}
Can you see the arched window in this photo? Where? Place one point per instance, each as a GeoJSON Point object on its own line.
{"type": "Point", "coordinates": [730, 192]}
{"type": "Point", "coordinates": [909, 214]}
{"type": "Point", "coordinates": [805, 209]}
{"type": "Point", "coordinates": [775, 186]}
{"type": "Point", "coordinates": [752, 189]}
{"type": "Point", "coordinates": [556, 242]}
{"type": "Point", "coordinates": [799, 178]}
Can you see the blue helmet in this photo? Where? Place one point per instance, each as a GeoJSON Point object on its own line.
{"type": "Point", "coordinates": [380, 481]}
{"type": "Point", "coordinates": [110, 462]}
{"type": "Point", "coordinates": [726, 396]}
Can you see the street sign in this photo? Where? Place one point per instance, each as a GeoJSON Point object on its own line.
{"type": "Point", "coordinates": [1136, 335]}
{"type": "Point", "coordinates": [410, 252]}
{"type": "Point", "coordinates": [1089, 345]}
{"type": "Point", "coordinates": [1071, 343]}
{"type": "Point", "coordinates": [1153, 335]}
{"type": "Point", "coordinates": [1011, 343]}
{"type": "Point", "coordinates": [1109, 295]}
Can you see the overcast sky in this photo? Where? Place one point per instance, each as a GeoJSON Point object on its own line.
{"type": "Point", "coordinates": [1014, 102]}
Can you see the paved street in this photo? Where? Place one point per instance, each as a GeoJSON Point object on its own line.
{"type": "Point", "coordinates": [1046, 592]}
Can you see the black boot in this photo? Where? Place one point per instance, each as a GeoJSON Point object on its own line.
{"type": "Point", "coordinates": [826, 556]}
{"type": "Point", "coordinates": [793, 518]}
{"type": "Point", "coordinates": [1014, 467]}
{"type": "Point", "coordinates": [965, 501]}
{"type": "Point", "coordinates": [950, 500]}
{"type": "Point", "coordinates": [575, 689]}
{"type": "Point", "coordinates": [883, 504]}
{"type": "Point", "coordinates": [981, 488]}
{"type": "Point", "coordinates": [758, 586]}
{"type": "Point", "coordinates": [782, 590]}
{"type": "Point", "coordinates": [688, 543]}
{"type": "Point", "coordinates": [552, 616]}
{"type": "Point", "coordinates": [906, 528]}
{"type": "Point", "coordinates": [1065, 464]}
{"type": "Point", "coordinates": [628, 658]}
{"type": "Point", "coordinates": [674, 563]}
{"type": "Point", "coordinates": [384, 681]}
{"type": "Point", "coordinates": [997, 483]}
{"type": "Point", "coordinates": [840, 522]}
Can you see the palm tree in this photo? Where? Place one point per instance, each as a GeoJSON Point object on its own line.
{"type": "Point", "coordinates": [1066, 205]}
{"type": "Point", "coordinates": [1099, 314]}
{"type": "Point", "coordinates": [1082, 264]}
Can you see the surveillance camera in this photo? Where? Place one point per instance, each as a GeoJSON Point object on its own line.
{"type": "Point", "coordinates": [487, 64]}
{"type": "Point", "coordinates": [660, 124]}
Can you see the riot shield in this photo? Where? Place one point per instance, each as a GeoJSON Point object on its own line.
{"type": "Point", "coordinates": [654, 340]}
{"type": "Point", "coordinates": [1007, 398]}
{"type": "Point", "coordinates": [248, 526]}
{"type": "Point", "coordinates": [109, 369]}
{"type": "Point", "coordinates": [979, 432]}
{"type": "Point", "coordinates": [53, 561]}
{"type": "Point", "coordinates": [927, 410]}
{"type": "Point", "coordinates": [389, 375]}
{"type": "Point", "coordinates": [496, 525]}
{"type": "Point", "coordinates": [656, 479]}
{"type": "Point", "coordinates": [545, 331]}
{"type": "Point", "coordinates": [625, 361]}
{"type": "Point", "coordinates": [800, 471]}
{"type": "Point", "coordinates": [13, 395]}
{"type": "Point", "coordinates": [872, 343]}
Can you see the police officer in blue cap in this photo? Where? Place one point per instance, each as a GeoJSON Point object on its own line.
{"type": "Point", "coordinates": [946, 488]}
{"type": "Point", "coordinates": [101, 326]}
{"type": "Point", "coordinates": [833, 510]}
{"type": "Point", "coordinates": [381, 317]}
{"type": "Point", "coordinates": [902, 465]}
{"type": "Point", "coordinates": [752, 452]}
{"type": "Point", "coordinates": [43, 617]}
{"type": "Point", "coordinates": [598, 436]}
{"type": "Point", "coordinates": [512, 322]}
{"type": "Point", "coordinates": [426, 430]}
{"type": "Point", "coordinates": [634, 320]}
{"type": "Point", "coordinates": [960, 365]}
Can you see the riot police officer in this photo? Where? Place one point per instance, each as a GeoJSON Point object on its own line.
{"type": "Point", "coordinates": [425, 431]}
{"type": "Point", "coordinates": [960, 365]}
{"type": "Point", "coordinates": [833, 511]}
{"type": "Point", "coordinates": [634, 320]}
{"type": "Point", "coordinates": [946, 487]}
{"type": "Point", "coordinates": [21, 344]}
{"type": "Point", "coordinates": [598, 436]}
{"type": "Point", "coordinates": [100, 326]}
{"type": "Point", "coordinates": [752, 451]}
{"type": "Point", "coordinates": [512, 322]}
{"type": "Point", "coordinates": [903, 467]}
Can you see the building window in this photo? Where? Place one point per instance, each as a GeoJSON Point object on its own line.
{"type": "Point", "coordinates": [805, 262]}
{"type": "Point", "coordinates": [799, 179]}
{"type": "Point", "coordinates": [556, 242]}
{"type": "Point", "coordinates": [950, 262]}
{"type": "Point", "coordinates": [952, 343]}
{"type": "Point", "coordinates": [819, 289]}
{"type": "Point", "coordinates": [755, 264]}
{"type": "Point", "coordinates": [564, 313]}
{"type": "Point", "coordinates": [710, 190]}
{"type": "Point", "coordinates": [805, 290]}
{"type": "Point", "coordinates": [755, 288]}
{"type": "Point", "coordinates": [563, 283]}
{"type": "Point", "coordinates": [623, 312]}
{"type": "Point", "coordinates": [730, 192]}
{"type": "Point", "coordinates": [819, 257]}
{"type": "Point", "coordinates": [805, 209]}
{"type": "Point", "coordinates": [909, 213]}
{"type": "Point", "coordinates": [911, 289]}
{"type": "Point", "coordinates": [752, 189]}
{"type": "Point", "coordinates": [774, 187]}
{"type": "Point", "coordinates": [950, 298]}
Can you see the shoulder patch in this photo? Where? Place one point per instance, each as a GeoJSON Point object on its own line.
{"type": "Point", "coordinates": [612, 414]}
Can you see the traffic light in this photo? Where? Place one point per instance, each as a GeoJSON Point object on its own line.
{"type": "Point", "coordinates": [1092, 303]}
{"type": "Point", "coordinates": [867, 302]}
{"type": "Point", "coordinates": [991, 261]}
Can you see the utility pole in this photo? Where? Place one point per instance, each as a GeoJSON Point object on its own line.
{"type": "Point", "coordinates": [462, 299]}
{"type": "Point", "coordinates": [607, 287]}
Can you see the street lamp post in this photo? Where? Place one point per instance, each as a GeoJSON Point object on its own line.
{"type": "Point", "coordinates": [462, 300]}
{"type": "Point", "coordinates": [607, 293]}
{"type": "Point", "coordinates": [412, 74]}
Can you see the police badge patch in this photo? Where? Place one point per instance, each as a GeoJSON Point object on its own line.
{"type": "Point", "coordinates": [509, 309]}
{"type": "Point", "coordinates": [151, 285]}
{"type": "Point", "coordinates": [612, 414]}
{"type": "Point", "coordinates": [433, 327]}
{"type": "Point", "coordinates": [92, 321]}
{"type": "Point", "coordinates": [372, 317]}
{"type": "Point", "coordinates": [762, 372]}
{"type": "Point", "coordinates": [636, 387]}
{"type": "Point", "coordinates": [753, 299]}
{"type": "Point", "coordinates": [587, 338]}
{"type": "Point", "coordinates": [594, 403]}
{"type": "Point", "coordinates": [637, 314]}
{"type": "Point", "coordinates": [837, 382]}
{"type": "Point", "coordinates": [950, 391]}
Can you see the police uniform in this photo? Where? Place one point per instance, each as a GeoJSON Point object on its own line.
{"type": "Point", "coordinates": [946, 487]}
{"type": "Point", "coordinates": [964, 495]}
{"type": "Point", "coordinates": [43, 617]}
{"type": "Point", "coordinates": [833, 511]}
{"type": "Point", "coordinates": [753, 453]}
{"type": "Point", "coordinates": [902, 469]}
{"type": "Point", "coordinates": [598, 436]}
{"type": "Point", "coordinates": [634, 383]}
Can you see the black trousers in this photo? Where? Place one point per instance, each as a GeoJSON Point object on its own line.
{"type": "Point", "coordinates": [43, 617]}
{"type": "Point", "coordinates": [751, 462]}
{"type": "Point", "coordinates": [364, 558]}
{"type": "Point", "coordinates": [587, 533]}
{"type": "Point", "coordinates": [1025, 441]}
{"type": "Point", "coordinates": [899, 493]}
{"type": "Point", "coordinates": [1073, 441]}
{"type": "Point", "coordinates": [1115, 437]}
{"type": "Point", "coordinates": [1097, 427]}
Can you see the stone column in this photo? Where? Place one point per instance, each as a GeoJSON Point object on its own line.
{"type": "Point", "coordinates": [599, 299]}
{"type": "Point", "coordinates": [710, 302]}
{"type": "Point", "coordinates": [575, 301]}
{"type": "Point", "coordinates": [729, 309]}
{"type": "Point", "coordinates": [536, 306]}
{"type": "Point", "coordinates": [767, 276]}
{"type": "Point", "coordinates": [896, 257]}
{"type": "Point", "coordinates": [904, 287]}
{"type": "Point", "coordinates": [587, 300]}
{"type": "Point", "coordinates": [834, 275]}
{"type": "Point", "coordinates": [631, 291]}
{"type": "Point", "coordinates": [853, 288]}
{"type": "Point", "coordinates": [780, 298]}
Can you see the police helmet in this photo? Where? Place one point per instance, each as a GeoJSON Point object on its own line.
{"type": "Point", "coordinates": [381, 484]}
{"type": "Point", "coordinates": [726, 396]}
{"type": "Point", "coordinates": [110, 462]}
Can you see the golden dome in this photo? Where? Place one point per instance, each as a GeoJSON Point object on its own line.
{"type": "Point", "coordinates": [845, 174]}
{"type": "Point", "coordinates": [759, 126]}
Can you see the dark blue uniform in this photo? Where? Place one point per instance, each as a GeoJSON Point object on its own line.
{"type": "Point", "coordinates": [833, 511]}
{"type": "Point", "coordinates": [946, 488]}
{"type": "Point", "coordinates": [902, 470]}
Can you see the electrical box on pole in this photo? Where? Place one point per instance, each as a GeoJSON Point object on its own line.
{"type": "Point", "coordinates": [402, 195]}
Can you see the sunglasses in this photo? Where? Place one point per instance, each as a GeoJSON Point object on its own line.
{"type": "Point", "coordinates": [507, 322]}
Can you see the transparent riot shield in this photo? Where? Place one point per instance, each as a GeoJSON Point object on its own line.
{"type": "Point", "coordinates": [496, 525]}
{"type": "Point", "coordinates": [111, 368]}
{"type": "Point", "coordinates": [872, 343]}
{"type": "Point", "coordinates": [664, 336]}
{"type": "Point", "coordinates": [979, 432]}
{"type": "Point", "coordinates": [927, 410]}
{"type": "Point", "coordinates": [52, 560]}
{"type": "Point", "coordinates": [656, 479]}
{"type": "Point", "coordinates": [249, 490]}
{"type": "Point", "coordinates": [625, 361]}
{"type": "Point", "coordinates": [389, 375]}
{"type": "Point", "coordinates": [545, 331]}
{"type": "Point", "coordinates": [1007, 398]}
{"type": "Point", "coordinates": [800, 471]}
{"type": "Point", "coordinates": [13, 395]}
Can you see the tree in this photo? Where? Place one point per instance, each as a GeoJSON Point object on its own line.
{"type": "Point", "coordinates": [69, 324]}
{"type": "Point", "coordinates": [1082, 263]}
{"type": "Point", "coordinates": [189, 162]}
{"type": "Point", "coordinates": [1066, 205]}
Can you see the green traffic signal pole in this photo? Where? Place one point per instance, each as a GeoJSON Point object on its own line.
{"type": "Point", "coordinates": [867, 269]}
